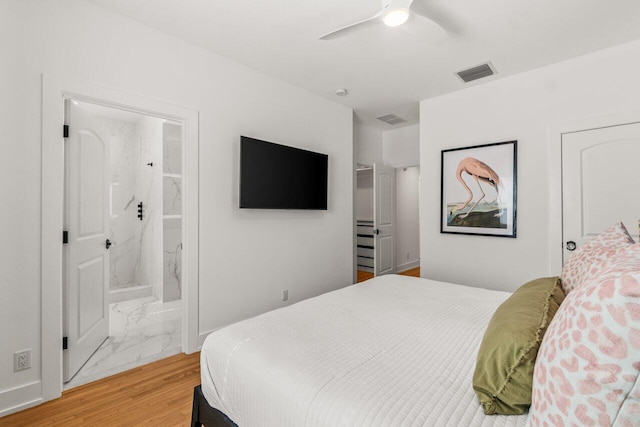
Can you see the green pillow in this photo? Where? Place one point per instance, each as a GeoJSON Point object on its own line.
{"type": "Point", "coordinates": [504, 368]}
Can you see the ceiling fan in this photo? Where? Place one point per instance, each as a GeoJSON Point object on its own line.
{"type": "Point", "coordinates": [392, 14]}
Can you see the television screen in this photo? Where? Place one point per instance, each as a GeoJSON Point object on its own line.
{"type": "Point", "coordinates": [274, 176]}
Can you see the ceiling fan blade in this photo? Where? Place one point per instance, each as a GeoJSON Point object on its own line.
{"type": "Point", "coordinates": [433, 12]}
{"type": "Point", "coordinates": [355, 26]}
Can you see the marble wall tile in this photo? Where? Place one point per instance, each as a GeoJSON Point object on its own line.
{"type": "Point", "coordinates": [172, 275]}
{"type": "Point", "coordinates": [124, 153]}
{"type": "Point", "coordinates": [172, 197]}
{"type": "Point", "coordinates": [149, 192]}
{"type": "Point", "coordinates": [172, 206]}
{"type": "Point", "coordinates": [136, 257]}
{"type": "Point", "coordinates": [141, 256]}
{"type": "Point", "coordinates": [124, 156]}
{"type": "Point", "coordinates": [172, 148]}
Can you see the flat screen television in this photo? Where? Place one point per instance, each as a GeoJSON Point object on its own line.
{"type": "Point", "coordinates": [274, 176]}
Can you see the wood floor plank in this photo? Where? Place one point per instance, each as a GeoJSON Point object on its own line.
{"type": "Point", "coordinates": [157, 394]}
{"type": "Point", "coordinates": [364, 275]}
{"type": "Point", "coordinates": [414, 272]}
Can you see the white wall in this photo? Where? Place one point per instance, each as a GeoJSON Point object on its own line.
{"type": "Point", "coordinates": [364, 195]}
{"type": "Point", "coordinates": [398, 148]}
{"type": "Point", "coordinates": [523, 107]}
{"type": "Point", "coordinates": [407, 220]}
{"type": "Point", "coordinates": [367, 144]}
{"type": "Point", "coordinates": [401, 147]}
{"type": "Point", "coordinates": [246, 257]}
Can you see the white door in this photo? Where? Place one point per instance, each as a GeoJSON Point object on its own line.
{"type": "Point", "coordinates": [86, 255]}
{"type": "Point", "coordinates": [599, 182]}
{"type": "Point", "coordinates": [384, 188]}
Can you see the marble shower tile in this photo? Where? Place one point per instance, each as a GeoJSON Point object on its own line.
{"type": "Point", "coordinates": [172, 195]}
{"type": "Point", "coordinates": [172, 148]}
{"type": "Point", "coordinates": [172, 275]}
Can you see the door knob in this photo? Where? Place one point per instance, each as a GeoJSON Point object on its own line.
{"type": "Point", "coordinates": [376, 231]}
{"type": "Point", "coordinates": [571, 245]}
{"type": "Point", "coordinates": [108, 243]}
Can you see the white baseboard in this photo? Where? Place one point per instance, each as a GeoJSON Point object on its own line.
{"type": "Point", "coordinates": [408, 266]}
{"type": "Point", "coordinates": [20, 398]}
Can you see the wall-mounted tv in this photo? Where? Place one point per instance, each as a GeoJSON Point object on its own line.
{"type": "Point", "coordinates": [274, 176]}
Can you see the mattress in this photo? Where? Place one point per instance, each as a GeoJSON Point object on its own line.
{"type": "Point", "coordinates": [391, 351]}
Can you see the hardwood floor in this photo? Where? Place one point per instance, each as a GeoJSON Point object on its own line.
{"type": "Point", "coordinates": [363, 275]}
{"type": "Point", "coordinates": [414, 272]}
{"type": "Point", "coordinates": [157, 394]}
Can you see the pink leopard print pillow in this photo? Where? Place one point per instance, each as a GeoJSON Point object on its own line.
{"type": "Point", "coordinates": [588, 366]}
{"type": "Point", "coordinates": [597, 249]}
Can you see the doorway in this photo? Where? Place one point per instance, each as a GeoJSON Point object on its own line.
{"type": "Point", "coordinates": [375, 210]}
{"type": "Point", "coordinates": [365, 254]}
{"type": "Point", "coordinates": [54, 90]}
{"type": "Point", "coordinates": [407, 220]}
{"type": "Point", "coordinates": [123, 176]}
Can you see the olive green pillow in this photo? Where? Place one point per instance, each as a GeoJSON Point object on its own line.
{"type": "Point", "coordinates": [504, 368]}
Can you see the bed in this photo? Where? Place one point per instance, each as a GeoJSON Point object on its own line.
{"type": "Point", "coordinates": [403, 351]}
{"type": "Point", "coordinates": [393, 350]}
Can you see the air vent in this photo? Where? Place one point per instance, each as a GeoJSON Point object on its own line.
{"type": "Point", "coordinates": [392, 119]}
{"type": "Point", "coordinates": [477, 72]}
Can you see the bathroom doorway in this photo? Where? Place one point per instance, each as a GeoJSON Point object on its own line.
{"type": "Point", "coordinates": [123, 195]}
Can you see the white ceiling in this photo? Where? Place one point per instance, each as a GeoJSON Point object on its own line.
{"type": "Point", "coordinates": [389, 70]}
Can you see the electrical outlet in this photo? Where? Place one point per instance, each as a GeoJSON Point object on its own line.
{"type": "Point", "coordinates": [285, 294]}
{"type": "Point", "coordinates": [21, 360]}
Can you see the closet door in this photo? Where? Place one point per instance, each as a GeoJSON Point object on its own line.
{"type": "Point", "coordinates": [384, 187]}
{"type": "Point", "coordinates": [599, 182]}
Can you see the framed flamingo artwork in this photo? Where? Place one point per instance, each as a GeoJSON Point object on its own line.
{"type": "Point", "coordinates": [479, 190]}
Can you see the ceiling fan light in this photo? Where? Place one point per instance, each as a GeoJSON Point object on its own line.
{"type": "Point", "coordinates": [396, 17]}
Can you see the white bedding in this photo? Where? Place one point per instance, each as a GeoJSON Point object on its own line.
{"type": "Point", "coordinates": [391, 351]}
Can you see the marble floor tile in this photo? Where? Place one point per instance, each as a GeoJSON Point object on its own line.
{"type": "Point", "coordinates": [140, 331]}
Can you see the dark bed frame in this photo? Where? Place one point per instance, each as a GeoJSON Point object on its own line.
{"type": "Point", "coordinates": [205, 414]}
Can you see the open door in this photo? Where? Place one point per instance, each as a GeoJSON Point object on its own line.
{"type": "Point", "coordinates": [384, 186]}
{"type": "Point", "coordinates": [599, 173]}
{"type": "Point", "coordinates": [86, 252]}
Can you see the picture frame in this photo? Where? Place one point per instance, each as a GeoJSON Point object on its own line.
{"type": "Point", "coordinates": [479, 189]}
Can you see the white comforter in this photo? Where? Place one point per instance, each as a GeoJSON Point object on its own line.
{"type": "Point", "coordinates": [392, 351]}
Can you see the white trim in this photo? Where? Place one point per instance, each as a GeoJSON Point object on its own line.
{"type": "Point", "coordinates": [405, 164]}
{"type": "Point", "coordinates": [408, 266]}
{"type": "Point", "coordinates": [20, 398]}
{"type": "Point", "coordinates": [54, 90]}
{"type": "Point", "coordinates": [554, 136]}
